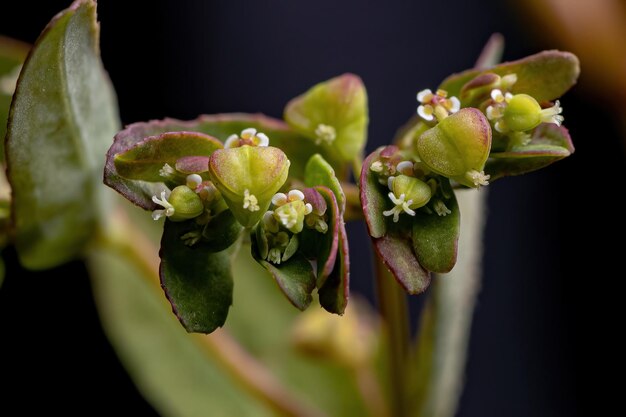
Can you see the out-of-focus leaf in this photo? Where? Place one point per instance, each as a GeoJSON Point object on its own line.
{"type": "Point", "coordinates": [549, 143]}
{"type": "Point", "coordinates": [168, 366]}
{"type": "Point", "coordinates": [144, 160]}
{"type": "Point", "coordinates": [198, 283]}
{"type": "Point", "coordinates": [12, 56]}
{"type": "Point", "coordinates": [435, 238]}
{"type": "Point", "coordinates": [63, 115]}
{"type": "Point", "coordinates": [339, 104]}
{"type": "Point", "coordinates": [545, 76]}
{"type": "Point", "coordinates": [397, 255]}
{"type": "Point", "coordinates": [295, 279]}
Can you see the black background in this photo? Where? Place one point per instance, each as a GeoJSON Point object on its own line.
{"type": "Point", "coordinates": [543, 335]}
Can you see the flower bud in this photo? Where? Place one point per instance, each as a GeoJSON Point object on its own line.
{"type": "Point", "coordinates": [248, 177]}
{"type": "Point", "coordinates": [186, 203]}
{"type": "Point", "coordinates": [458, 147]}
{"type": "Point", "coordinates": [522, 113]}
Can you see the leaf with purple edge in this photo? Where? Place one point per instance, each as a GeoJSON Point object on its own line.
{"type": "Point", "coordinates": [549, 143]}
{"type": "Point", "coordinates": [397, 255]}
{"type": "Point", "coordinates": [335, 292]}
{"type": "Point", "coordinates": [145, 160]}
{"type": "Point", "coordinates": [197, 282]}
{"type": "Point", "coordinates": [545, 76]}
{"type": "Point", "coordinates": [339, 105]}
{"type": "Point", "coordinates": [435, 238]}
{"type": "Point", "coordinates": [295, 278]}
{"type": "Point", "coordinates": [373, 200]}
{"type": "Point", "coordinates": [322, 247]}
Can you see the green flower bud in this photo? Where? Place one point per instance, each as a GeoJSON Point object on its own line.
{"type": "Point", "coordinates": [182, 204]}
{"type": "Point", "coordinates": [458, 147]}
{"type": "Point", "coordinates": [522, 113]}
{"type": "Point", "coordinates": [407, 194]}
{"type": "Point", "coordinates": [248, 177]}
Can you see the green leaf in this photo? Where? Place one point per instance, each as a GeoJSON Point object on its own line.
{"type": "Point", "coordinates": [144, 160]}
{"type": "Point", "coordinates": [397, 255]}
{"type": "Point", "coordinates": [221, 232]}
{"type": "Point", "coordinates": [12, 56]}
{"type": "Point", "coordinates": [435, 238]}
{"type": "Point", "coordinates": [62, 119]}
{"type": "Point", "coordinates": [545, 76]}
{"type": "Point", "coordinates": [319, 172]}
{"type": "Point", "coordinates": [197, 282]}
{"type": "Point", "coordinates": [169, 367]}
{"type": "Point", "coordinates": [339, 104]}
{"type": "Point", "coordinates": [549, 143]}
{"type": "Point", "coordinates": [335, 292]}
{"type": "Point", "coordinates": [372, 199]}
{"type": "Point", "coordinates": [295, 279]}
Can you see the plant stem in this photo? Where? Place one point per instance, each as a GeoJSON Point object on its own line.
{"type": "Point", "coordinates": [249, 373]}
{"type": "Point", "coordinates": [393, 308]}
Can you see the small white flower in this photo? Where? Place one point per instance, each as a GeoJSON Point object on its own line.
{"type": "Point", "coordinates": [441, 209]}
{"type": "Point", "coordinates": [287, 215]}
{"type": "Point", "coordinates": [249, 137]}
{"type": "Point", "coordinates": [250, 202]}
{"type": "Point", "coordinates": [400, 206]}
{"type": "Point", "coordinates": [166, 171]}
{"type": "Point", "coordinates": [325, 134]}
{"type": "Point", "coordinates": [436, 105]}
{"type": "Point", "coordinates": [168, 209]}
{"type": "Point", "coordinates": [377, 166]}
{"type": "Point", "coordinates": [478, 178]}
{"type": "Point", "coordinates": [553, 114]}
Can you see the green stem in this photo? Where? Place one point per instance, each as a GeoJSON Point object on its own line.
{"type": "Point", "coordinates": [249, 373]}
{"type": "Point", "coordinates": [393, 308]}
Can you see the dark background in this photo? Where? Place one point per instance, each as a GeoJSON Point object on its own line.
{"type": "Point", "coordinates": [543, 337]}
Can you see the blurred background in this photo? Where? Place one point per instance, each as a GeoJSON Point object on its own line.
{"type": "Point", "coordinates": [543, 335]}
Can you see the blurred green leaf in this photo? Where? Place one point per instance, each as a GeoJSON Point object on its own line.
{"type": "Point", "coordinates": [197, 282]}
{"type": "Point", "coordinates": [339, 104]}
{"type": "Point", "coordinates": [62, 119]}
{"type": "Point", "coordinates": [168, 366]}
{"type": "Point", "coordinates": [549, 143]}
{"type": "Point", "coordinates": [144, 160]}
{"type": "Point", "coordinates": [12, 56]}
{"type": "Point", "coordinates": [545, 76]}
{"type": "Point", "coordinates": [435, 238]}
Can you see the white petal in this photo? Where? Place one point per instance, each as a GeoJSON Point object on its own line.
{"type": "Point", "coordinates": [295, 195]}
{"type": "Point", "coordinates": [405, 167]}
{"type": "Point", "coordinates": [456, 104]}
{"type": "Point", "coordinates": [263, 139]}
{"type": "Point", "coordinates": [193, 180]}
{"type": "Point", "coordinates": [231, 141]}
{"type": "Point", "coordinates": [496, 95]}
{"type": "Point", "coordinates": [422, 94]}
{"type": "Point", "coordinates": [279, 199]}
{"type": "Point", "coordinates": [248, 133]}
{"type": "Point", "coordinates": [421, 111]}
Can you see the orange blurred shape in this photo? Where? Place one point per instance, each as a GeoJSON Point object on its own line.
{"type": "Point", "coordinates": [595, 30]}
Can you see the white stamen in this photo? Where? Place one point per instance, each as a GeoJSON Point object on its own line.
{"type": "Point", "coordinates": [325, 133]}
{"type": "Point", "coordinates": [250, 202]}
{"type": "Point", "coordinates": [553, 114]}
{"type": "Point", "coordinates": [478, 178]}
{"type": "Point", "coordinates": [377, 166]}
{"type": "Point", "coordinates": [441, 209]}
{"type": "Point", "coordinates": [274, 256]}
{"type": "Point", "coordinates": [168, 209]}
{"type": "Point", "coordinates": [400, 206]}
{"type": "Point", "coordinates": [166, 171]}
